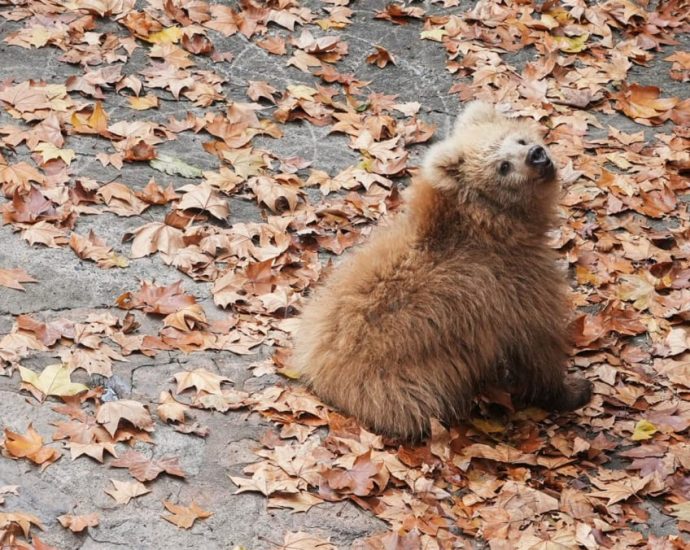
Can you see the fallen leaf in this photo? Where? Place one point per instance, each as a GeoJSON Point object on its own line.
{"type": "Point", "coordinates": [124, 491]}
{"type": "Point", "coordinates": [77, 524]}
{"type": "Point", "coordinates": [184, 516]}
{"type": "Point", "coordinates": [201, 379]}
{"type": "Point", "coordinates": [110, 414]}
{"type": "Point", "coordinates": [175, 167]}
{"type": "Point", "coordinates": [144, 469]}
{"type": "Point", "coordinates": [29, 446]}
{"type": "Point", "coordinates": [53, 380]}
{"type": "Point", "coordinates": [12, 277]}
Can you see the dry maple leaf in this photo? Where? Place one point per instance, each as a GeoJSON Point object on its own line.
{"type": "Point", "coordinates": [29, 446]}
{"type": "Point", "coordinates": [643, 104]}
{"type": "Point", "coordinates": [362, 479]}
{"type": "Point", "coordinates": [187, 319]}
{"type": "Point", "coordinates": [267, 479]}
{"type": "Point", "coordinates": [121, 200]}
{"type": "Point", "coordinates": [53, 380]}
{"type": "Point", "coordinates": [94, 450]}
{"type": "Point", "coordinates": [17, 519]}
{"type": "Point", "coordinates": [77, 524]}
{"type": "Point", "coordinates": [46, 234]}
{"type": "Point", "coordinates": [11, 278]}
{"type": "Point", "coordinates": [223, 402]}
{"type": "Point", "coordinates": [620, 490]}
{"type": "Point", "coordinates": [381, 57]}
{"type": "Point", "coordinates": [94, 248]}
{"type": "Point", "coordinates": [184, 516]}
{"type": "Point", "coordinates": [201, 379]}
{"type": "Point", "coordinates": [273, 194]}
{"type": "Point", "coordinates": [399, 14]}
{"type": "Point", "coordinates": [300, 502]}
{"type": "Point", "coordinates": [204, 197]}
{"type": "Point", "coordinates": [156, 237]}
{"type": "Point", "coordinates": [304, 541]}
{"type": "Point", "coordinates": [161, 300]}
{"type": "Point", "coordinates": [111, 413]}
{"type": "Point", "coordinates": [149, 101]}
{"type": "Point", "coordinates": [170, 410]}
{"type": "Point", "coordinates": [144, 469]}
{"type": "Point", "coordinates": [124, 491]}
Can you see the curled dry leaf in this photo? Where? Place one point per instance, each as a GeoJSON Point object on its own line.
{"type": "Point", "coordinates": [17, 520]}
{"type": "Point", "coordinates": [94, 248]}
{"type": "Point", "coordinates": [29, 446]}
{"type": "Point", "coordinates": [187, 319]}
{"type": "Point", "coordinates": [381, 57]}
{"type": "Point", "coordinates": [170, 410]}
{"type": "Point", "coordinates": [156, 237]}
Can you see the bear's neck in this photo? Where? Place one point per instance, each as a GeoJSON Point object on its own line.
{"type": "Point", "coordinates": [444, 219]}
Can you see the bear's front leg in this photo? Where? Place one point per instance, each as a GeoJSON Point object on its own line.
{"type": "Point", "coordinates": [572, 394]}
{"type": "Point", "coordinates": [539, 377]}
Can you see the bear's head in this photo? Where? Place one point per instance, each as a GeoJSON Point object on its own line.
{"type": "Point", "coordinates": [495, 159]}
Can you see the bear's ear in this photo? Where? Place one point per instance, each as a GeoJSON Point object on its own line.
{"type": "Point", "coordinates": [475, 112]}
{"type": "Point", "coordinates": [442, 164]}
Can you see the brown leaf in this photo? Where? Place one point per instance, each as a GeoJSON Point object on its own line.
{"type": "Point", "coordinates": [11, 278]}
{"type": "Point", "coordinates": [125, 491]}
{"type": "Point", "coordinates": [161, 300]}
{"type": "Point", "coordinates": [144, 469]}
{"type": "Point", "coordinates": [29, 446]}
{"type": "Point", "coordinates": [95, 249]}
{"type": "Point", "coordinates": [77, 524]}
{"type": "Point", "coordinates": [206, 198]}
{"type": "Point", "coordinates": [201, 379]}
{"type": "Point", "coordinates": [381, 57]}
{"type": "Point", "coordinates": [170, 410]}
{"type": "Point", "coordinates": [361, 480]}
{"type": "Point", "coordinates": [304, 541]}
{"type": "Point", "coordinates": [185, 516]}
{"type": "Point", "coordinates": [111, 413]}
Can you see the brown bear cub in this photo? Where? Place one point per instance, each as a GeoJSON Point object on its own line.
{"type": "Point", "coordinates": [459, 293]}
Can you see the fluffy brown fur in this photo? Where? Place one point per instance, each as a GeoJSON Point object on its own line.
{"type": "Point", "coordinates": [459, 289]}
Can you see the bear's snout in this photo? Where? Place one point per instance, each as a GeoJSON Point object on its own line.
{"type": "Point", "coordinates": [537, 156]}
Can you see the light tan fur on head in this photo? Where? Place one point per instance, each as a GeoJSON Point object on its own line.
{"type": "Point", "coordinates": [482, 143]}
{"type": "Point", "coordinates": [459, 289]}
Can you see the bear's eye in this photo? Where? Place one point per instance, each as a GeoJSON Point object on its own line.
{"type": "Point", "coordinates": [522, 142]}
{"type": "Point", "coordinates": [505, 167]}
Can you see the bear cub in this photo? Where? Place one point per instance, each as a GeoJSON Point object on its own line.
{"type": "Point", "coordinates": [459, 293]}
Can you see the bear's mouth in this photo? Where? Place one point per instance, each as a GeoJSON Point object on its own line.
{"type": "Point", "coordinates": [547, 171]}
{"type": "Point", "coordinates": [538, 159]}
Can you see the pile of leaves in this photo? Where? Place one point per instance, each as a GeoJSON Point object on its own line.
{"type": "Point", "coordinates": [520, 480]}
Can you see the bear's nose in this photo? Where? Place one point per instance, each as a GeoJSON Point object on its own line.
{"type": "Point", "coordinates": [537, 156]}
